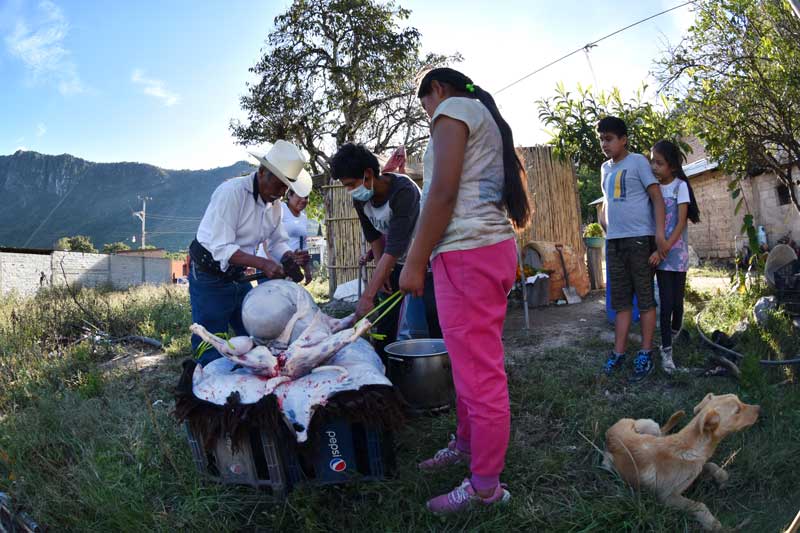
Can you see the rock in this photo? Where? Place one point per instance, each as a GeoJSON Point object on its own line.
{"type": "Point", "coordinates": [694, 259]}
{"type": "Point", "coordinates": [761, 310]}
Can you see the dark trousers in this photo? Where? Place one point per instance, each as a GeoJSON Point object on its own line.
{"type": "Point", "coordinates": [217, 306]}
{"type": "Point", "coordinates": [671, 286]}
{"type": "Point", "coordinates": [388, 324]}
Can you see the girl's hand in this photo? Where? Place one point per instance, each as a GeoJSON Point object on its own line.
{"type": "Point", "coordinates": [412, 279]}
{"type": "Point", "coordinates": [663, 246]}
{"type": "Point", "coordinates": [655, 259]}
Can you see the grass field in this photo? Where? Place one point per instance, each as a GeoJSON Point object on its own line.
{"type": "Point", "coordinates": [90, 446]}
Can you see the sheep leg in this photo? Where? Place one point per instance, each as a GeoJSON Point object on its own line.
{"type": "Point", "coordinates": [233, 347]}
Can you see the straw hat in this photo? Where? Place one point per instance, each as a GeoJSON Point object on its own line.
{"type": "Point", "coordinates": [286, 161]}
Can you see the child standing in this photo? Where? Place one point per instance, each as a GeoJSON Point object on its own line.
{"type": "Point", "coordinates": [665, 159]}
{"type": "Point", "coordinates": [473, 183]}
{"type": "Point", "coordinates": [634, 210]}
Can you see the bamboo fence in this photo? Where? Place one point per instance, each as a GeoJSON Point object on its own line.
{"type": "Point", "coordinates": [552, 185]}
{"type": "Point", "coordinates": [553, 189]}
{"type": "Point", "coordinates": [344, 237]}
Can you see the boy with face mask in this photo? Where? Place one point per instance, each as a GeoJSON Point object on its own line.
{"type": "Point", "coordinates": [388, 206]}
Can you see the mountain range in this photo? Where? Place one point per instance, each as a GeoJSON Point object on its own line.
{"type": "Point", "coordinates": [53, 196]}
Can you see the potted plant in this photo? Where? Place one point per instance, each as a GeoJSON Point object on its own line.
{"type": "Point", "coordinates": [593, 235]}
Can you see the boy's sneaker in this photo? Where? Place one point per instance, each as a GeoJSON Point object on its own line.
{"type": "Point", "coordinates": [642, 366]}
{"type": "Point", "coordinates": [666, 360]}
{"type": "Point", "coordinates": [445, 457]}
{"type": "Point", "coordinates": [464, 497]}
{"type": "Point", "coordinates": [614, 361]}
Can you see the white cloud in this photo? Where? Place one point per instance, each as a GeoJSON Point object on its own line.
{"type": "Point", "coordinates": [41, 129]}
{"type": "Point", "coordinates": [154, 88]}
{"type": "Point", "coordinates": [41, 48]}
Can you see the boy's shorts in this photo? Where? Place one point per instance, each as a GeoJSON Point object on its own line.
{"type": "Point", "coordinates": [629, 272]}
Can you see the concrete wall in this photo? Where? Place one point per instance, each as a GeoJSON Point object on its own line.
{"type": "Point", "coordinates": [21, 273]}
{"type": "Point", "coordinates": [714, 236]}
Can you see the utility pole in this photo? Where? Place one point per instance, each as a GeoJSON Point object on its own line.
{"type": "Point", "coordinates": [142, 215]}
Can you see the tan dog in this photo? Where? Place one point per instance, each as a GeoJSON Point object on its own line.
{"type": "Point", "coordinates": [646, 457]}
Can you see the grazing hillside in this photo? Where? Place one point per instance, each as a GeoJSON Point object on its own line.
{"type": "Point", "coordinates": [48, 197]}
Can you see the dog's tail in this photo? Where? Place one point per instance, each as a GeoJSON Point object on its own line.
{"type": "Point", "coordinates": [672, 422]}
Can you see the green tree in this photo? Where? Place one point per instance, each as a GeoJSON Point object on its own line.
{"type": "Point", "coordinates": [62, 244]}
{"type": "Point", "coordinates": [77, 243]}
{"type": "Point", "coordinates": [572, 119]}
{"type": "Point", "coordinates": [114, 247]}
{"type": "Point", "coordinates": [738, 75]}
{"type": "Point", "coordinates": [335, 71]}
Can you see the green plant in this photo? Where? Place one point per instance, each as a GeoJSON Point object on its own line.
{"type": "Point", "coordinates": [593, 230]}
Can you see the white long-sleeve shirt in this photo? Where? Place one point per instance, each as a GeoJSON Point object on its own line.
{"type": "Point", "coordinates": [238, 219]}
{"type": "Point", "coordinates": [295, 228]}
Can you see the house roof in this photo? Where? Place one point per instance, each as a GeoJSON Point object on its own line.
{"type": "Point", "coordinates": [699, 166]}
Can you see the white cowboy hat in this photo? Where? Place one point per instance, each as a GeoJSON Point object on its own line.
{"type": "Point", "coordinates": [286, 161]}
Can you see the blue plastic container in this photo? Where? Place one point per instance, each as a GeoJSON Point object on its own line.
{"type": "Point", "coordinates": [345, 451]}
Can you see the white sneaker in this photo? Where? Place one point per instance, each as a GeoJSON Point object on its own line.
{"type": "Point", "coordinates": [666, 360]}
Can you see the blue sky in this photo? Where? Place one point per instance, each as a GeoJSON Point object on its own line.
{"type": "Point", "coordinates": [158, 82]}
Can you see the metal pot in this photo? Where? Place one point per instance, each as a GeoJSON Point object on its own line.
{"type": "Point", "coordinates": [420, 369]}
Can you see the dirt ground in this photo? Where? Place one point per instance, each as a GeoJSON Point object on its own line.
{"type": "Point", "coordinates": [555, 326]}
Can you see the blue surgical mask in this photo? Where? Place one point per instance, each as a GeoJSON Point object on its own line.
{"type": "Point", "coordinates": [361, 193]}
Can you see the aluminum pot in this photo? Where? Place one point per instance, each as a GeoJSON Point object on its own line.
{"type": "Point", "coordinates": [420, 369]}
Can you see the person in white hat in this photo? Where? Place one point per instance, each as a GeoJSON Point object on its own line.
{"type": "Point", "coordinates": [242, 214]}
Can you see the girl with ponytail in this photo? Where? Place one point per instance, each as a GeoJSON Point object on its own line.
{"type": "Point", "coordinates": [474, 195]}
{"type": "Point", "coordinates": [680, 206]}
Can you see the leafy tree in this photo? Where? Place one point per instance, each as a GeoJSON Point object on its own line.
{"type": "Point", "coordinates": [738, 75]}
{"type": "Point", "coordinates": [114, 247]}
{"type": "Point", "coordinates": [572, 119]}
{"type": "Point", "coordinates": [62, 244]}
{"type": "Point", "coordinates": [335, 71]}
{"type": "Point", "coordinates": [77, 243]}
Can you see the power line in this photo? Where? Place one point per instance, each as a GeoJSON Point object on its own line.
{"type": "Point", "coordinates": [593, 43]}
{"type": "Point", "coordinates": [178, 218]}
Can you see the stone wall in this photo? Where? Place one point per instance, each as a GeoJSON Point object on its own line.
{"type": "Point", "coordinates": [22, 273]}
{"type": "Point", "coordinates": [713, 237]}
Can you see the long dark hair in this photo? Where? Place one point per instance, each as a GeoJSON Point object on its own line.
{"type": "Point", "coordinates": [674, 158]}
{"type": "Point", "coordinates": [515, 191]}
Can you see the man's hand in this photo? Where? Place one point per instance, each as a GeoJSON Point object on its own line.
{"type": "Point", "coordinates": [272, 269]}
{"type": "Point", "coordinates": [365, 304]}
{"type": "Point", "coordinates": [301, 257]}
{"type": "Point", "coordinates": [412, 279]}
{"type": "Point", "coordinates": [291, 268]}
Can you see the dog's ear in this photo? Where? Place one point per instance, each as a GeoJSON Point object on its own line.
{"type": "Point", "coordinates": [710, 421]}
{"type": "Point", "coordinates": [703, 402]}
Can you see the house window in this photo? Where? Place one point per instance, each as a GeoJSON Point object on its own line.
{"type": "Point", "coordinates": [784, 198]}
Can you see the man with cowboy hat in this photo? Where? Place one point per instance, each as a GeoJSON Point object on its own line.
{"type": "Point", "coordinates": [243, 213]}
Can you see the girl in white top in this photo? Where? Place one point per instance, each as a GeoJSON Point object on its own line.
{"type": "Point", "coordinates": [473, 184]}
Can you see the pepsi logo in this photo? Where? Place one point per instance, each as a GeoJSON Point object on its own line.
{"type": "Point", "coordinates": [338, 465]}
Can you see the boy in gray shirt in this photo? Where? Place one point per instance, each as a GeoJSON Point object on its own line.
{"type": "Point", "coordinates": [634, 212]}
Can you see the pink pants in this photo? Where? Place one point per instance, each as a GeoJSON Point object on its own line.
{"type": "Point", "coordinates": [472, 288]}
